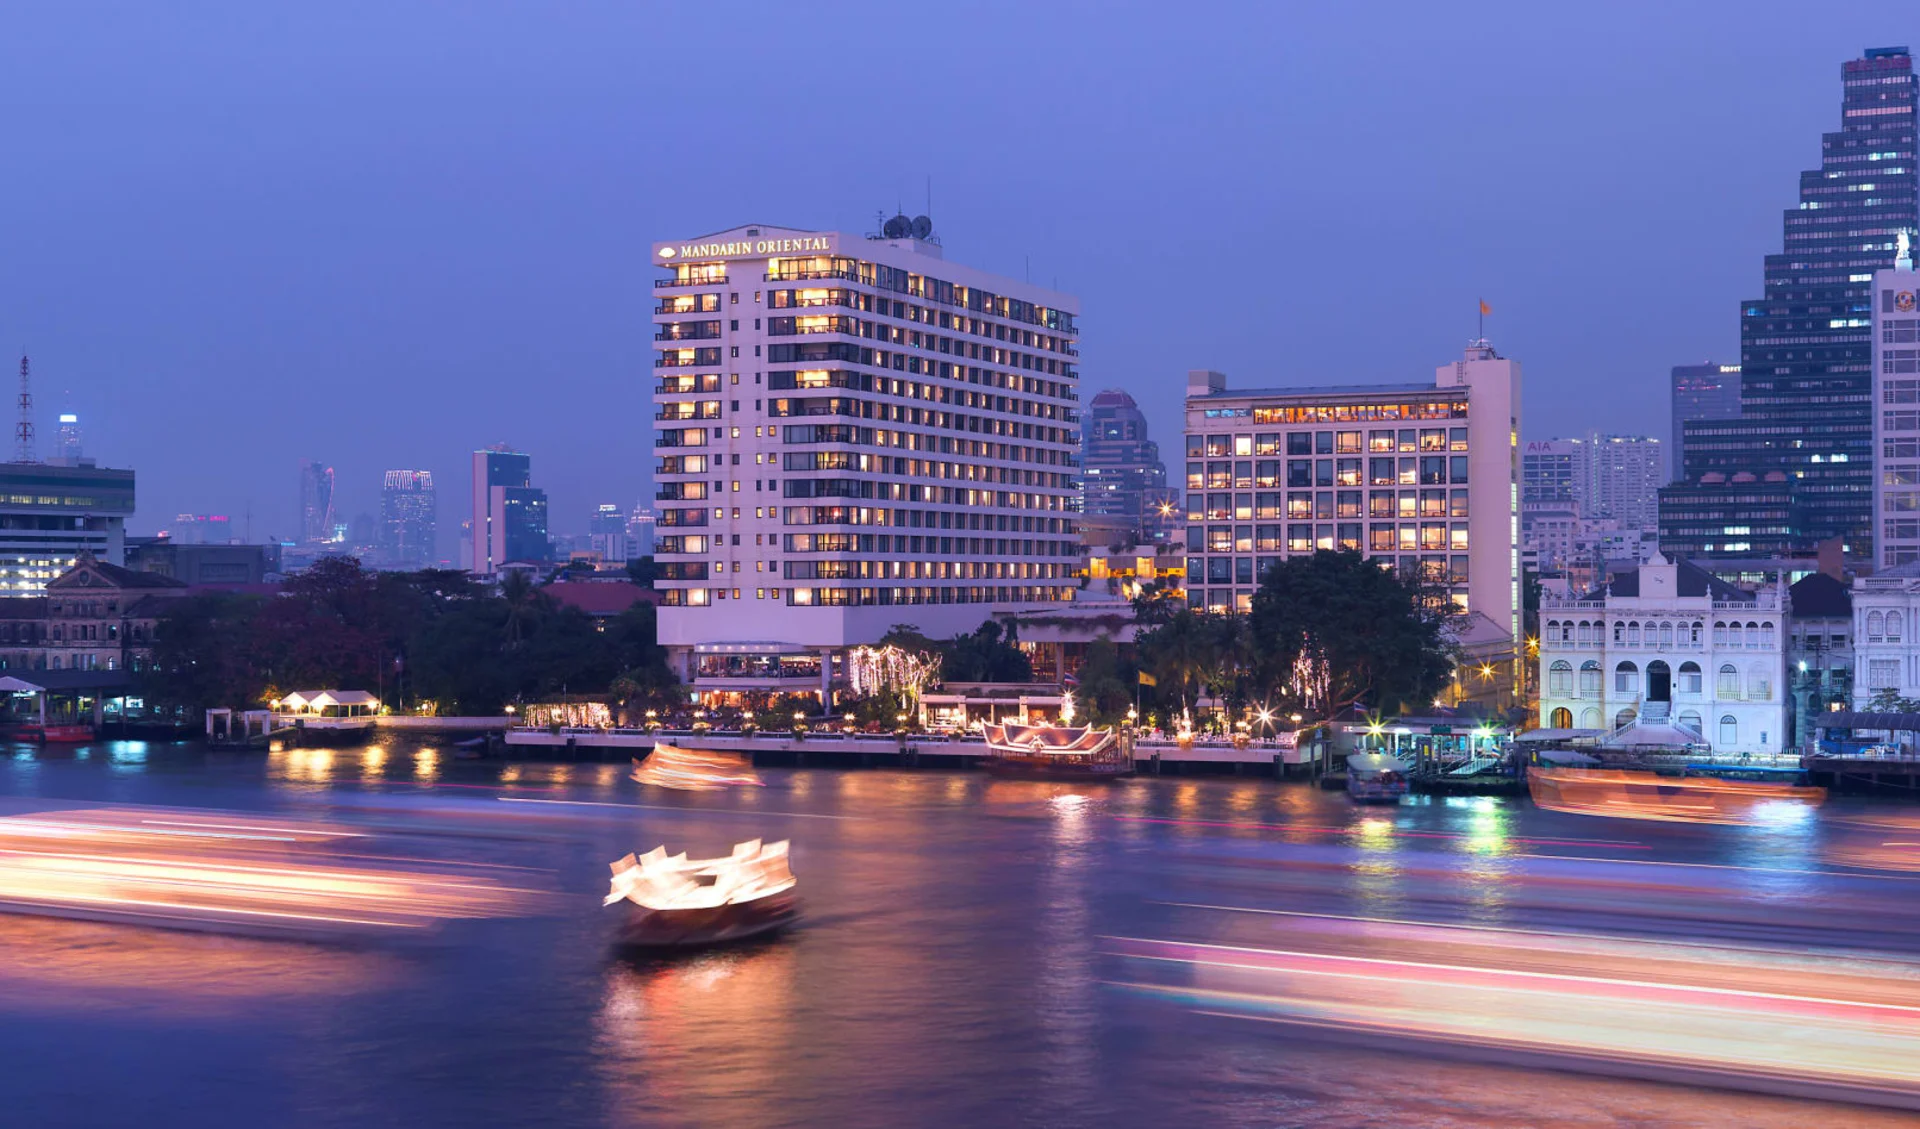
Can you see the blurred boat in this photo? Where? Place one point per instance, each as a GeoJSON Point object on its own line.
{"type": "Point", "coordinates": [1627, 794]}
{"type": "Point", "coordinates": [1056, 752]}
{"type": "Point", "coordinates": [1375, 778]}
{"type": "Point", "coordinates": [670, 766]}
{"type": "Point", "coordinates": [677, 902]}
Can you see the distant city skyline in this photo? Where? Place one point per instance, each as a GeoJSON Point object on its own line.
{"type": "Point", "coordinates": [484, 283]}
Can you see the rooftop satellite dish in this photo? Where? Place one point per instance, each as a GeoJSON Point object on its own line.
{"type": "Point", "coordinates": [897, 227]}
{"type": "Point", "coordinates": [922, 227]}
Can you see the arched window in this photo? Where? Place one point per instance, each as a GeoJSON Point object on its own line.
{"type": "Point", "coordinates": [1759, 683]}
{"type": "Point", "coordinates": [1894, 624]}
{"type": "Point", "coordinates": [1633, 634]}
{"type": "Point", "coordinates": [1719, 634]}
{"type": "Point", "coordinates": [1626, 679]}
{"type": "Point", "coordinates": [1622, 718]}
{"type": "Point", "coordinates": [1566, 631]}
{"type": "Point", "coordinates": [1728, 685]}
{"type": "Point", "coordinates": [1666, 636]}
{"type": "Point", "coordinates": [1590, 717]}
{"type": "Point", "coordinates": [1729, 731]}
{"type": "Point", "coordinates": [1586, 632]}
{"type": "Point", "coordinates": [1753, 636]}
{"type": "Point", "coordinates": [1560, 678]}
{"type": "Point", "coordinates": [1553, 630]}
{"type": "Point", "coordinates": [1689, 679]}
{"type": "Point", "coordinates": [1619, 632]}
{"type": "Point", "coordinates": [1562, 719]}
{"type": "Point", "coordinates": [1690, 719]}
{"type": "Point", "coordinates": [1590, 680]}
{"type": "Point", "coordinates": [1696, 633]}
{"type": "Point", "coordinates": [1876, 627]}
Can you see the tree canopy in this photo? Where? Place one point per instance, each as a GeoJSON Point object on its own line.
{"type": "Point", "coordinates": [433, 635]}
{"type": "Point", "coordinates": [1332, 630]}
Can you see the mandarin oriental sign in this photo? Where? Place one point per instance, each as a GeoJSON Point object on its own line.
{"type": "Point", "coordinates": [731, 249]}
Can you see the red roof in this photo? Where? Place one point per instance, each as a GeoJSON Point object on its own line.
{"type": "Point", "coordinates": [599, 599]}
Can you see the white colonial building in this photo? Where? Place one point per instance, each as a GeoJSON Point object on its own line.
{"type": "Point", "coordinates": [1668, 643]}
{"type": "Point", "coordinates": [1886, 652]}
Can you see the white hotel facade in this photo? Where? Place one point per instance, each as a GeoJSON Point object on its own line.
{"type": "Point", "coordinates": [850, 433]}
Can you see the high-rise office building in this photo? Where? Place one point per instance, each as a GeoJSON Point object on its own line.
{"type": "Point", "coordinates": [50, 515]}
{"type": "Point", "coordinates": [1422, 476]}
{"type": "Point", "coordinates": [853, 433]}
{"type": "Point", "coordinates": [1124, 483]}
{"type": "Point", "coordinates": [607, 533]}
{"type": "Point", "coordinates": [1805, 353]}
{"type": "Point", "coordinates": [408, 509]}
{"type": "Point", "coordinates": [1896, 417]}
{"type": "Point", "coordinates": [640, 530]}
{"type": "Point", "coordinates": [67, 442]}
{"type": "Point", "coordinates": [509, 512]}
{"type": "Point", "coordinates": [316, 502]}
{"type": "Point", "coordinates": [1705, 391]}
{"type": "Point", "coordinates": [1551, 470]}
{"type": "Point", "coordinates": [1622, 480]}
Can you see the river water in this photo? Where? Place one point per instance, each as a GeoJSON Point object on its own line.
{"type": "Point", "coordinates": [958, 964]}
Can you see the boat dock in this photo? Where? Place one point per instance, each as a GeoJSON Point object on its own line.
{"type": "Point", "coordinates": [870, 749]}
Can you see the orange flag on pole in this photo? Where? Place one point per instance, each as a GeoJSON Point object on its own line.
{"type": "Point", "coordinates": [1484, 308]}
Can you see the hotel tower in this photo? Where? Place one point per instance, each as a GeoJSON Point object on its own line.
{"type": "Point", "coordinates": [851, 432]}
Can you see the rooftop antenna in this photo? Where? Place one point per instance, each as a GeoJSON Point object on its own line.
{"type": "Point", "coordinates": [23, 431]}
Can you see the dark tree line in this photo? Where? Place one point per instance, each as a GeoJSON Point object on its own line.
{"type": "Point", "coordinates": [411, 637]}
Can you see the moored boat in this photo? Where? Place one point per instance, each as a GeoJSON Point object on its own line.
{"type": "Point", "coordinates": [1375, 778]}
{"type": "Point", "coordinates": [1056, 752]}
{"type": "Point", "coordinates": [676, 902]}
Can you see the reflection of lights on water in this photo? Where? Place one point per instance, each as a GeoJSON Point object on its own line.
{"type": "Point", "coordinates": [426, 764]}
{"type": "Point", "coordinates": [1375, 831]}
{"type": "Point", "coordinates": [510, 774]}
{"type": "Point", "coordinates": [1781, 813]}
{"type": "Point", "coordinates": [373, 759]}
{"type": "Point", "coordinates": [606, 777]}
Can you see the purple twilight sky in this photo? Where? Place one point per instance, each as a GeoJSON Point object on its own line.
{"type": "Point", "coordinates": [382, 234]}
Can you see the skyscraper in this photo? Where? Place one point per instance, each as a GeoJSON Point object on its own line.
{"type": "Point", "coordinates": [1123, 483]}
{"type": "Point", "coordinates": [1551, 470]}
{"type": "Point", "coordinates": [509, 513]}
{"type": "Point", "coordinates": [316, 502]}
{"type": "Point", "coordinates": [408, 507]}
{"type": "Point", "coordinates": [1622, 480]}
{"type": "Point", "coordinates": [607, 533]}
{"type": "Point", "coordinates": [1805, 349]}
{"type": "Point", "coordinates": [67, 445]}
{"type": "Point", "coordinates": [1700, 392]}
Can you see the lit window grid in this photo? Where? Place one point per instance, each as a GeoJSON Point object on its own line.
{"type": "Point", "coordinates": [1243, 519]}
{"type": "Point", "coordinates": [988, 460]}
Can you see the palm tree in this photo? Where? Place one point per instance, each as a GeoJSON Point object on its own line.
{"type": "Point", "coordinates": [523, 604]}
{"type": "Point", "coordinates": [1181, 651]}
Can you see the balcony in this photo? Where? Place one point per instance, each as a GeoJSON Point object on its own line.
{"type": "Point", "coordinates": [664, 283]}
{"type": "Point", "coordinates": [689, 331]}
{"type": "Point", "coordinates": [811, 275]}
{"type": "Point", "coordinates": [683, 385]}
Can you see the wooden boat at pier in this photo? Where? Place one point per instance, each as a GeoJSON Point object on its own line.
{"type": "Point", "coordinates": [677, 902]}
{"type": "Point", "coordinates": [1631, 794]}
{"type": "Point", "coordinates": [1056, 752]}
